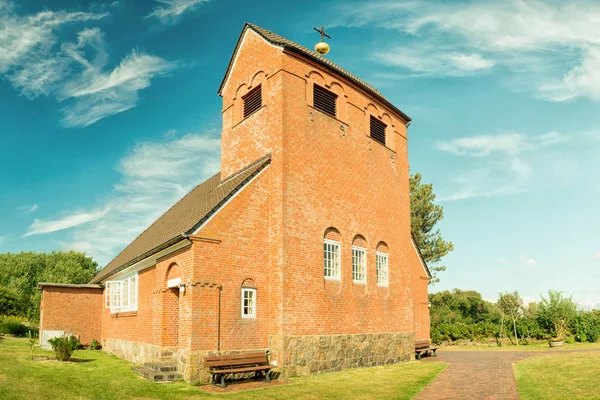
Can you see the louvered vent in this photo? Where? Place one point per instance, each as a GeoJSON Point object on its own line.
{"type": "Point", "coordinates": [378, 130]}
{"type": "Point", "coordinates": [252, 101]}
{"type": "Point", "coordinates": [324, 100]}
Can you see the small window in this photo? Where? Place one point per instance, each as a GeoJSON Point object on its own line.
{"type": "Point", "coordinates": [331, 259]}
{"type": "Point", "coordinates": [324, 100]}
{"type": "Point", "coordinates": [382, 269]}
{"type": "Point", "coordinates": [359, 264]}
{"type": "Point", "coordinates": [378, 130]}
{"type": "Point", "coordinates": [248, 303]}
{"type": "Point", "coordinates": [252, 101]}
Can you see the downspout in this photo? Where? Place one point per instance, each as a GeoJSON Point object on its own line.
{"type": "Point", "coordinates": [219, 323]}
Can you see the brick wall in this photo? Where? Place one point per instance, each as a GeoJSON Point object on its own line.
{"type": "Point", "coordinates": [325, 173]}
{"type": "Point", "coordinates": [238, 254]}
{"type": "Point", "coordinates": [132, 326]}
{"type": "Point", "coordinates": [73, 310]}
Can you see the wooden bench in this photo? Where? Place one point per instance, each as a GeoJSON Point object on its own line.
{"type": "Point", "coordinates": [424, 347]}
{"type": "Point", "coordinates": [220, 366]}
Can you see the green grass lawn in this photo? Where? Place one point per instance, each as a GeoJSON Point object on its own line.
{"type": "Point", "coordinates": [537, 346]}
{"type": "Point", "coordinates": [97, 375]}
{"type": "Point", "coordinates": [562, 376]}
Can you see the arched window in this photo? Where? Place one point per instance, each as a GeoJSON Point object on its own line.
{"type": "Point", "coordinates": [359, 259]}
{"type": "Point", "coordinates": [331, 254]}
{"type": "Point", "coordinates": [381, 264]}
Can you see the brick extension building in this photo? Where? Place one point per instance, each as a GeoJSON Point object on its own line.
{"type": "Point", "coordinates": [300, 245]}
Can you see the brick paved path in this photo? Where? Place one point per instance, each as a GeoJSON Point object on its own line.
{"type": "Point", "coordinates": [477, 375]}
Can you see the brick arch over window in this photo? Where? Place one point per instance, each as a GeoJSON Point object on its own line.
{"type": "Point", "coordinates": [332, 234]}
{"type": "Point", "coordinates": [173, 273]}
{"type": "Point", "coordinates": [359, 241]}
{"type": "Point", "coordinates": [382, 247]}
{"type": "Point", "coordinates": [249, 283]}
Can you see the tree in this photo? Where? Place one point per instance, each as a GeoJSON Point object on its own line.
{"type": "Point", "coordinates": [555, 314]}
{"type": "Point", "coordinates": [510, 304]}
{"type": "Point", "coordinates": [20, 273]}
{"type": "Point", "coordinates": [424, 215]}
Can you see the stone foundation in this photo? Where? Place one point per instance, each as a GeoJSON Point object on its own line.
{"type": "Point", "coordinates": [138, 353]}
{"type": "Point", "coordinates": [294, 355]}
{"type": "Point", "coordinates": [304, 355]}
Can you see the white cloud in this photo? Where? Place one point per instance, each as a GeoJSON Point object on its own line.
{"type": "Point", "coordinates": [97, 94]}
{"type": "Point", "coordinates": [508, 143]}
{"type": "Point", "coordinates": [581, 81]}
{"type": "Point", "coordinates": [154, 176]}
{"type": "Point", "coordinates": [597, 255]}
{"type": "Point", "coordinates": [425, 61]}
{"type": "Point", "coordinates": [31, 208]}
{"type": "Point", "coordinates": [479, 146]}
{"type": "Point", "coordinates": [67, 221]}
{"type": "Point", "coordinates": [513, 163]}
{"type": "Point", "coordinates": [540, 39]}
{"type": "Point", "coordinates": [529, 261]}
{"type": "Point", "coordinates": [76, 73]}
{"type": "Point", "coordinates": [174, 8]}
{"type": "Point", "coordinates": [27, 58]}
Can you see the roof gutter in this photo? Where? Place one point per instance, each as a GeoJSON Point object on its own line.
{"type": "Point", "coordinates": [42, 285]}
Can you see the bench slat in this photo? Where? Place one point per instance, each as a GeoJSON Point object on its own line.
{"type": "Point", "coordinates": [234, 356]}
{"type": "Point", "coordinates": [245, 369]}
{"type": "Point", "coordinates": [262, 360]}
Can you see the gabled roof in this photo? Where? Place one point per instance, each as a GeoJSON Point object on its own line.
{"type": "Point", "coordinates": [183, 218]}
{"type": "Point", "coordinates": [425, 267]}
{"type": "Point", "coordinates": [286, 44]}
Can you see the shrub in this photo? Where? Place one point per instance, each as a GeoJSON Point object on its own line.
{"type": "Point", "coordinates": [15, 327]}
{"type": "Point", "coordinates": [556, 313]}
{"type": "Point", "coordinates": [95, 345]}
{"type": "Point", "coordinates": [64, 346]}
{"type": "Point", "coordinates": [586, 327]}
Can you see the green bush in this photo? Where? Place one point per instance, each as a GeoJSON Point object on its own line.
{"type": "Point", "coordinates": [95, 345]}
{"type": "Point", "coordinates": [64, 346]}
{"type": "Point", "coordinates": [586, 327]}
{"type": "Point", "coordinates": [15, 327]}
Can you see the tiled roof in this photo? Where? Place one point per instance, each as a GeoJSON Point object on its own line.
{"type": "Point", "coordinates": [278, 40]}
{"type": "Point", "coordinates": [183, 218]}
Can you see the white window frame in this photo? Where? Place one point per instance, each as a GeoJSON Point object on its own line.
{"type": "Point", "coordinates": [115, 294]}
{"type": "Point", "coordinates": [338, 268]}
{"type": "Point", "coordinates": [253, 309]}
{"type": "Point", "coordinates": [379, 257]}
{"type": "Point", "coordinates": [363, 252]}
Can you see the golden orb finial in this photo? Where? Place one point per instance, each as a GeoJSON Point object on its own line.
{"type": "Point", "coordinates": [322, 47]}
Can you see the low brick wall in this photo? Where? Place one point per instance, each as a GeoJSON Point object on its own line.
{"type": "Point", "coordinates": [304, 355]}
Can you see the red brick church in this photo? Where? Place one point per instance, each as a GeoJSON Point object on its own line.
{"type": "Point", "coordinates": [300, 245]}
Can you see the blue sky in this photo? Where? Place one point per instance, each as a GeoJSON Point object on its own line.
{"type": "Point", "coordinates": [110, 114]}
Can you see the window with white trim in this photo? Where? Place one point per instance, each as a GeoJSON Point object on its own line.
{"type": "Point", "coordinates": [331, 259]}
{"type": "Point", "coordinates": [248, 303]}
{"type": "Point", "coordinates": [121, 295]}
{"type": "Point", "coordinates": [359, 264]}
{"type": "Point", "coordinates": [382, 269]}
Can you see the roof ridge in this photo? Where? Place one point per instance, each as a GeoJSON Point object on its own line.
{"type": "Point", "coordinates": [247, 167]}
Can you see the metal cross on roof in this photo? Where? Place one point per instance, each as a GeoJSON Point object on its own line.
{"type": "Point", "coordinates": [322, 32]}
